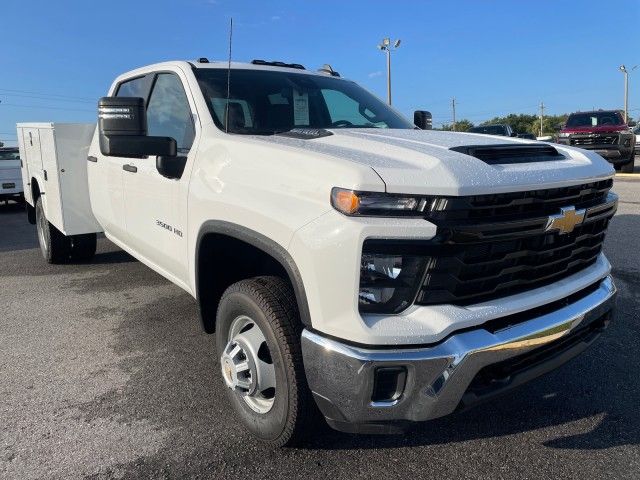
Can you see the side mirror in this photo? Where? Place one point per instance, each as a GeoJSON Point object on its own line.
{"type": "Point", "coordinates": [513, 134]}
{"type": "Point", "coordinates": [122, 128]}
{"type": "Point", "coordinates": [557, 128]}
{"type": "Point", "coordinates": [422, 119]}
{"type": "Point", "coordinates": [631, 123]}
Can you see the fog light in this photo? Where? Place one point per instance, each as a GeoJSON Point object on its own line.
{"type": "Point", "coordinates": [388, 383]}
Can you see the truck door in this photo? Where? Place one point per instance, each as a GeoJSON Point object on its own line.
{"type": "Point", "coordinates": [106, 173]}
{"type": "Point", "coordinates": [156, 230]}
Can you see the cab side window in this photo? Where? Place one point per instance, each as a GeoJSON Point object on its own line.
{"type": "Point", "coordinates": [168, 112]}
{"type": "Point", "coordinates": [137, 87]}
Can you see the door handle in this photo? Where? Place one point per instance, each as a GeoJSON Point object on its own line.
{"type": "Point", "coordinates": [130, 168]}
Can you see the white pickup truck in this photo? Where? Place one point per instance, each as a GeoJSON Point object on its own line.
{"type": "Point", "coordinates": [10, 179]}
{"type": "Point", "coordinates": [351, 264]}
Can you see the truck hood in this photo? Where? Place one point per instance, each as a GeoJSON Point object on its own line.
{"type": "Point", "coordinates": [421, 162]}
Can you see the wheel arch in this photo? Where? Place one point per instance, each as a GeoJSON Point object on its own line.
{"type": "Point", "coordinates": [216, 234]}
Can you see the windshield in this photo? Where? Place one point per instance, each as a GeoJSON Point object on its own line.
{"type": "Point", "coordinates": [594, 119]}
{"type": "Point", "coordinates": [489, 130]}
{"type": "Point", "coordinates": [268, 102]}
{"type": "Point", "coordinates": [10, 154]}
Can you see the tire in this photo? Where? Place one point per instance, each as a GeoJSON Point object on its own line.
{"type": "Point", "coordinates": [268, 303]}
{"type": "Point", "coordinates": [629, 166]}
{"type": "Point", "coordinates": [54, 245]}
{"type": "Point", "coordinates": [83, 247]}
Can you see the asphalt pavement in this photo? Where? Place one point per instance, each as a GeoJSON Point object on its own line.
{"type": "Point", "coordinates": [105, 373]}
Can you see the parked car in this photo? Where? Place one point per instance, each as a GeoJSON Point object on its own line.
{"type": "Point", "coordinates": [350, 265]}
{"type": "Point", "coordinates": [603, 131]}
{"type": "Point", "coordinates": [528, 136]}
{"type": "Point", "coordinates": [502, 130]}
{"type": "Point", "coordinates": [10, 178]}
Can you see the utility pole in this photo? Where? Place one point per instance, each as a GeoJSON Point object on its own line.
{"type": "Point", "coordinates": [624, 70]}
{"type": "Point", "coordinates": [388, 52]}
{"type": "Point", "coordinates": [453, 107]}
{"type": "Point", "coordinates": [386, 46]}
{"type": "Point", "coordinates": [541, 116]}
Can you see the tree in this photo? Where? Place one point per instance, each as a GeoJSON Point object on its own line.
{"type": "Point", "coordinates": [521, 123]}
{"type": "Point", "coordinates": [1, 144]}
{"type": "Point", "coordinates": [462, 125]}
{"type": "Point", "coordinates": [525, 123]}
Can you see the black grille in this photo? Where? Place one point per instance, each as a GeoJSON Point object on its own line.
{"type": "Point", "coordinates": [492, 246]}
{"type": "Point", "coordinates": [595, 139]}
{"type": "Point", "coordinates": [466, 273]}
{"type": "Point", "coordinates": [516, 205]}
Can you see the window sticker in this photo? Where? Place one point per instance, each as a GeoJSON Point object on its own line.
{"type": "Point", "coordinates": [300, 108]}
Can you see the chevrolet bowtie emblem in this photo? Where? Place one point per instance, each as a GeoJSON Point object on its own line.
{"type": "Point", "coordinates": [566, 220]}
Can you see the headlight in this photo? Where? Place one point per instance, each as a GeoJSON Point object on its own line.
{"type": "Point", "coordinates": [563, 135]}
{"type": "Point", "coordinates": [351, 202]}
{"type": "Point", "coordinates": [389, 282]}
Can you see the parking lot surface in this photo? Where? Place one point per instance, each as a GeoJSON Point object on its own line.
{"type": "Point", "coordinates": [105, 373]}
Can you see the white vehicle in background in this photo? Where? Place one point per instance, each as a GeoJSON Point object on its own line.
{"type": "Point", "coordinates": [10, 177]}
{"type": "Point", "coordinates": [349, 263]}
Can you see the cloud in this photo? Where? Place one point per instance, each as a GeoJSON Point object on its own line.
{"type": "Point", "coordinates": [375, 74]}
{"type": "Point", "coordinates": [275, 18]}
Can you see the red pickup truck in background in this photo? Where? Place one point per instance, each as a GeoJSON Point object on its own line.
{"type": "Point", "coordinates": [604, 131]}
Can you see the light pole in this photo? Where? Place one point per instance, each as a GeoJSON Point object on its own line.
{"type": "Point", "coordinates": [386, 46]}
{"type": "Point", "coordinates": [624, 70]}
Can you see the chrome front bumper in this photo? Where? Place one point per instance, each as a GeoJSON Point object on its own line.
{"type": "Point", "coordinates": [453, 373]}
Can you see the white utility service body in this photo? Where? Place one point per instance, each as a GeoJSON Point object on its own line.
{"type": "Point", "coordinates": [248, 204]}
{"type": "Point", "coordinates": [55, 156]}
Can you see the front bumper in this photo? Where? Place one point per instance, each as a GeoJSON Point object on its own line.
{"type": "Point", "coordinates": [465, 368]}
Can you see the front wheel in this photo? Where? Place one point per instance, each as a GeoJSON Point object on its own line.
{"type": "Point", "coordinates": [54, 245]}
{"type": "Point", "coordinates": [258, 342]}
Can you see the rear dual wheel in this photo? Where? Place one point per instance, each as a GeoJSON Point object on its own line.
{"type": "Point", "coordinates": [59, 248]}
{"type": "Point", "coordinates": [258, 342]}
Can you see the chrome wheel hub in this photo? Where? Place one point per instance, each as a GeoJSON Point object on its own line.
{"type": "Point", "coordinates": [247, 367]}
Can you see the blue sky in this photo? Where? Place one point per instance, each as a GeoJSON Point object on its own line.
{"type": "Point", "coordinates": [58, 57]}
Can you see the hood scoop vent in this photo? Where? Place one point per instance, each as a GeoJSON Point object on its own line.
{"type": "Point", "coordinates": [306, 133]}
{"type": "Point", "coordinates": [510, 153]}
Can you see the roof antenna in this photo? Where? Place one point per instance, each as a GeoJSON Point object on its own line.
{"type": "Point", "coordinates": [226, 114]}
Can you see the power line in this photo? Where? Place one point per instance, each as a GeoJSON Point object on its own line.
{"type": "Point", "coordinates": [47, 94]}
{"type": "Point", "coordinates": [43, 97]}
{"type": "Point", "coordinates": [45, 107]}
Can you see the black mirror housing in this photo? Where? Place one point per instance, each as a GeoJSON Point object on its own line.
{"type": "Point", "coordinates": [171, 166]}
{"type": "Point", "coordinates": [122, 128]}
{"type": "Point", "coordinates": [422, 119]}
{"type": "Point", "coordinates": [135, 146]}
